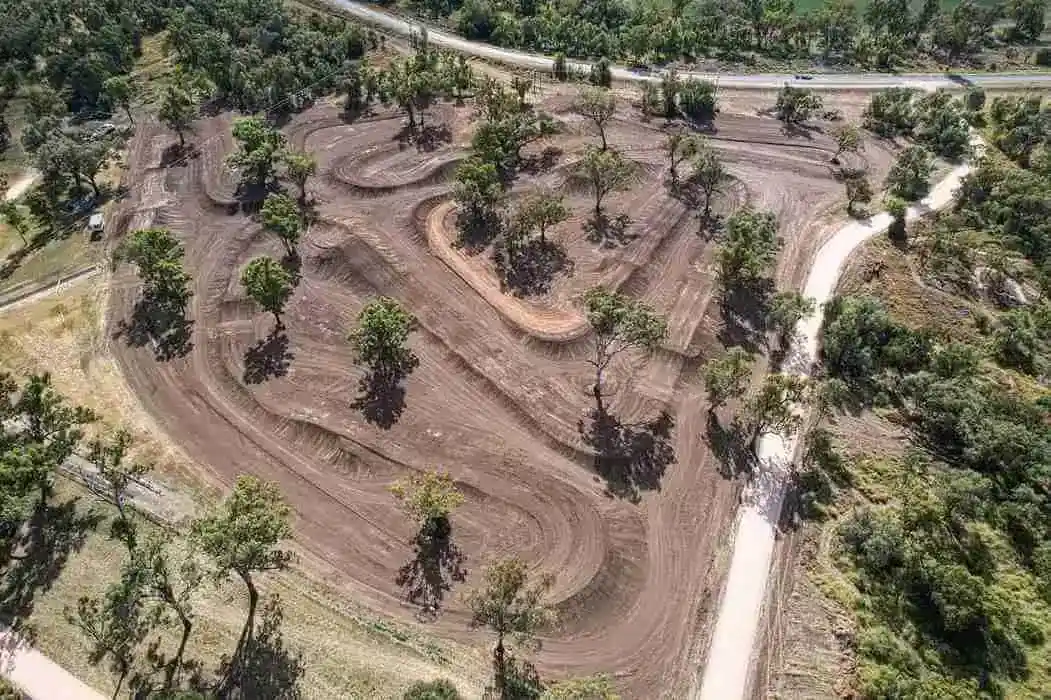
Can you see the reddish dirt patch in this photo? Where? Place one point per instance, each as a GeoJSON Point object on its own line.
{"type": "Point", "coordinates": [497, 398]}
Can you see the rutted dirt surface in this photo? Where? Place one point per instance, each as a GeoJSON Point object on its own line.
{"type": "Point", "coordinates": [502, 383]}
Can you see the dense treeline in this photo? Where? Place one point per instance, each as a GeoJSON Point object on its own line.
{"type": "Point", "coordinates": [259, 55]}
{"type": "Point", "coordinates": [952, 563]}
{"type": "Point", "coordinates": [882, 35]}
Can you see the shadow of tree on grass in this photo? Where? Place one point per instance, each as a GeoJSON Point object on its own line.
{"type": "Point", "coordinates": [268, 358]}
{"type": "Point", "coordinates": [631, 457]}
{"type": "Point", "coordinates": [38, 554]}
{"type": "Point", "coordinates": [268, 669]}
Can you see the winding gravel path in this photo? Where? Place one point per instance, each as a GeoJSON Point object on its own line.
{"type": "Point", "coordinates": [731, 657]}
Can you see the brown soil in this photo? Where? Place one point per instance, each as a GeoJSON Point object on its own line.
{"type": "Point", "coordinates": [503, 382]}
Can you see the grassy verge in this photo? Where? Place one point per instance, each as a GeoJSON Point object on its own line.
{"type": "Point", "coordinates": [337, 652]}
{"type": "Point", "coordinates": [345, 651]}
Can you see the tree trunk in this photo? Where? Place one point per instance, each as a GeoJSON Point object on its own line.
{"type": "Point", "coordinates": [597, 392]}
{"type": "Point", "coordinates": [500, 661]}
{"type": "Point", "coordinates": [233, 674]}
{"type": "Point", "coordinates": [598, 207]}
{"type": "Point", "coordinates": [127, 110]}
{"type": "Point", "coordinates": [124, 668]}
{"type": "Point", "coordinates": [176, 662]}
{"type": "Point", "coordinates": [182, 139]}
{"type": "Point", "coordinates": [602, 132]}
{"type": "Point", "coordinates": [277, 320]}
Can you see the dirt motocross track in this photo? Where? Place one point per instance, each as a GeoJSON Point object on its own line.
{"type": "Point", "coordinates": [503, 387]}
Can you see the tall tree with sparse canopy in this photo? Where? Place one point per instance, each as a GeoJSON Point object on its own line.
{"type": "Point", "coordinates": [785, 311]}
{"type": "Point", "coordinates": [619, 323]}
{"type": "Point", "coordinates": [708, 175]}
{"type": "Point", "coordinates": [848, 140]}
{"type": "Point", "coordinates": [16, 220]}
{"type": "Point", "coordinates": [511, 607]}
{"type": "Point", "coordinates": [51, 432]}
{"type": "Point", "coordinates": [772, 408]}
{"type": "Point", "coordinates": [281, 216]}
{"type": "Point", "coordinates": [859, 189]}
{"type": "Point", "coordinates": [269, 284]}
{"type": "Point", "coordinates": [381, 339]}
{"type": "Point", "coordinates": [598, 106]}
{"type": "Point", "coordinates": [603, 172]}
{"type": "Point", "coordinates": [679, 146]}
{"type": "Point", "coordinates": [118, 472]}
{"type": "Point", "coordinates": [115, 623]}
{"type": "Point", "coordinates": [539, 211]}
{"type": "Point", "coordinates": [177, 111]}
{"type": "Point", "coordinates": [243, 537]}
{"type": "Point", "coordinates": [120, 92]}
{"type": "Point", "coordinates": [726, 377]}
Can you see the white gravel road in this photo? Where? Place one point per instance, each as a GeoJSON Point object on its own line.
{"type": "Point", "coordinates": [731, 657]}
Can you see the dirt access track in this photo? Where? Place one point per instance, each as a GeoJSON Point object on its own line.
{"type": "Point", "coordinates": [502, 395]}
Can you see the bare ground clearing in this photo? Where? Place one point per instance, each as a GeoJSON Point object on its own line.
{"type": "Point", "coordinates": [503, 382]}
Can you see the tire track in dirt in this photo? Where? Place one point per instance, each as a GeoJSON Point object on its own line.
{"type": "Point", "coordinates": [492, 403]}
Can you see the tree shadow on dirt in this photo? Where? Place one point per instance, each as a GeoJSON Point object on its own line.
{"type": "Point", "coordinates": [436, 564]}
{"type": "Point", "coordinates": [743, 309]}
{"type": "Point", "coordinates": [268, 358]}
{"type": "Point", "coordinates": [732, 447]}
{"type": "Point", "coordinates": [535, 266]}
{"type": "Point", "coordinates": [381, 398]}
{"type": "Point", "coordinates": [179, 155]}
{"type": "Point", "coordinates": [426, 139]}
{"type": "Point", "coordinates": [799, 130]}
{"type": "Point", "coordinates": [630, 457]}
{"type": "Point", "coordinates": [163, 327]}
{"type": "Point", "coordinates": [476, 231]}
{"type": "Point", "coordinates": [540, 162]}
{"type": "Point", "coordinates": [609, 232]}
{"type": "Point", "coordinates": [37, 556]}
{"type": "Point", "coordinates": [268, 670]}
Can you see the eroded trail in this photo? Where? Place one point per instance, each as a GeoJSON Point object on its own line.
{"type": "Point", "coordinates": [503, 385]}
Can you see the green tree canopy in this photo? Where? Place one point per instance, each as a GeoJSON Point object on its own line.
{"type": "Point", "coordinates": [511, 606]}
{"type": "Point", "coordinates": [726, 377]}
{"type": "Point", "coordinates": [281, 216]}
{"type": "Point", "coordinates": [795, 105]}
{"type": "Point", "coordinates": [909, 177]}
{"type": "Point", "coordinates": [749, 248]}
{"type": "Point", "coordinates": [603, 172]}
{"type": "Point", "coordinates": [381, 338]}
{"type": "Point", "coordinates": [269, 284]}
{"type": "Point", "coordinates": [598, 106]}
{"type": "Point", "coordinates": [261, 148]}
{"type": "Point", "coordinates": [619, 323]}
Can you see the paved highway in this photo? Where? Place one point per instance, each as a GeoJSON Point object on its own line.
{"type": "Point", "coordinates": [829, 81]}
